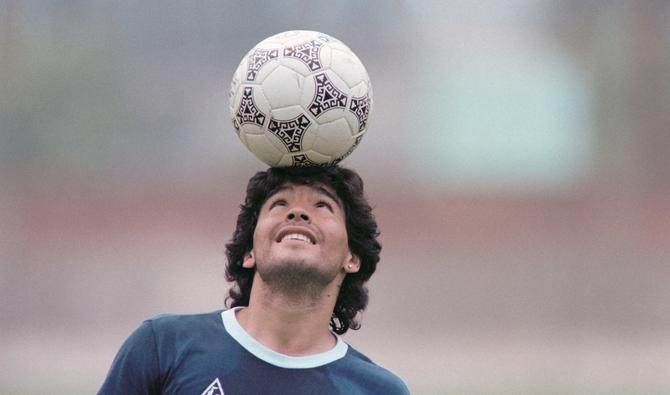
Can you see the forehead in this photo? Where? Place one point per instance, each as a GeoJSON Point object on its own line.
{"type": "Point", "coordinates": [318, 188]}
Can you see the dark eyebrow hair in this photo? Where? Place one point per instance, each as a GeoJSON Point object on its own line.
{"type": "Point", "coordinates": [277, 190]}
{"type": "Point", "coordinates": [326, 192]}
{"type": "Point", "coordinates": [318, 188]}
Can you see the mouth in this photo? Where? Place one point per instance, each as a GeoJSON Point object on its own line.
{"type": "Point", "coordinates": [301, 235]}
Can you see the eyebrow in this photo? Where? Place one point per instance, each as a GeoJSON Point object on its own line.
{"type": "Point", "coordinates": [318, 188]}
{"type": "Point", "coordinates": [326, 192]}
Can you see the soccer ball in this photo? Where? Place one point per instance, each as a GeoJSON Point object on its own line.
{"type": "Point", "coordinates": [300, 98]}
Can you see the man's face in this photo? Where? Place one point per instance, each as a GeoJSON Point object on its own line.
{"type": "Point", "coordinates": [302, 229]}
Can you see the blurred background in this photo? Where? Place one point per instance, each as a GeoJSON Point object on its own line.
{"type": "Point", "coordinates": [518, 161]}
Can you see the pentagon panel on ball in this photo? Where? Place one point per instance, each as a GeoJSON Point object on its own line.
{"type": "Point", "coordinates": [300, 98]}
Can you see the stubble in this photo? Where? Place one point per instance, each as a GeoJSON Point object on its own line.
{"type": "Point", "coordinates": [297, 280]}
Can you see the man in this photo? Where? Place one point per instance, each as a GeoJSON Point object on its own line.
{"type": "Point", "coordinates": [304, 246]}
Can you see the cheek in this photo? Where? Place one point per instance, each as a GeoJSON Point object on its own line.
{"type": "Point", "coordinates": [262, 227]}
{"type": "Point", "coordinates": [340, 233]}
{"type": "Point", "coordinates": [259, 235]}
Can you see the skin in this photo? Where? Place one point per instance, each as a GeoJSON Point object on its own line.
{"type": "Point", "coordinates": [296, 282]}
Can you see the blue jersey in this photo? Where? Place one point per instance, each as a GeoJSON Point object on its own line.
{"type": "Point", "coordinates": [211, 354]}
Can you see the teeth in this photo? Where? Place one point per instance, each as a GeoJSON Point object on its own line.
{"type": "Point", "coordinates": [296, 236]}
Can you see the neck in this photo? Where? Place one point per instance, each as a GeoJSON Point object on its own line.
{"type": "Point", "coordinates": [290, 324]}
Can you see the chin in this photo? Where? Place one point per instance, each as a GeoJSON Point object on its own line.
{"type": "Point", "coordinates": [296, 272]}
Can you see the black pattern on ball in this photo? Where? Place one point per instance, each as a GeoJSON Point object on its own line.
{"type": "Point", "coordinates": [360, 106]}
{"type": "Point", "coordinates": [290, 132]}
{"type": "Point", "coordinates": [257, 59]}
{"type": "Point", "coordinates": [247, 112]}
{"type": "Point", "coordinates": [307, 52]}
{"type": "Point", "coordinates": [303, 161]}
{"type": "Point", "coordinates": [326, 96]}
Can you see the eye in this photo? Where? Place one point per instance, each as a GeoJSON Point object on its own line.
{"type": "Point", "coordinates": [278, 202]}
{"type": "Point", "coordinates": [323, 203]}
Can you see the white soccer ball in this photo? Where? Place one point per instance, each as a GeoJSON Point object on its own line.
{"type": "Point", "coordinates": [300, 98]}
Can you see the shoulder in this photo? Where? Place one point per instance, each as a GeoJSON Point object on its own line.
{"type": "Point", "coordinates": [156, 347]}
{"type": "Point", "coordinates": [178, 336]}
{"type": "Point", "coordinates": [170, 323]}
{"type": "Point", "coordinates": [381, 379]}
{"type": "Point", "coordinates": [170, 330]}
{"type": "Point", "coordinates": [164, 322]}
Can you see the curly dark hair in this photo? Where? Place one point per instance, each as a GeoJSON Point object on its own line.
{"type": "Point", "coordinates": [361, 230]}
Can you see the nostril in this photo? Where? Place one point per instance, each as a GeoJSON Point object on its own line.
{"type": "Point", "coordinates": [298, 215]}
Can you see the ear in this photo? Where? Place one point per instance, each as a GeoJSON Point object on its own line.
{"type": "Point", "coordinates": [352, 264]}
{"type": "Point", "coordinates": [249, 261]}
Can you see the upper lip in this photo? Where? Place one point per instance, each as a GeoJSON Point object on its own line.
{"type": "Point", "coordinates": [296, 229]}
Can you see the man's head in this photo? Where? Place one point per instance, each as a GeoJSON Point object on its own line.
{"type": "Point", "coordinates": [337, 227]}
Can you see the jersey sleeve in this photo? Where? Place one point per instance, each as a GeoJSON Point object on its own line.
{"type": "Point", "coordinates": [135, 370]}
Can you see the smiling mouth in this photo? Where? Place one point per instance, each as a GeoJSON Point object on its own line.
{"type": "Point", "coordinates": [297, 236]}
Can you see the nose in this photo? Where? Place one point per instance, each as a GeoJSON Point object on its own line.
{"type": "Point", "coordinates": [298, 214]}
